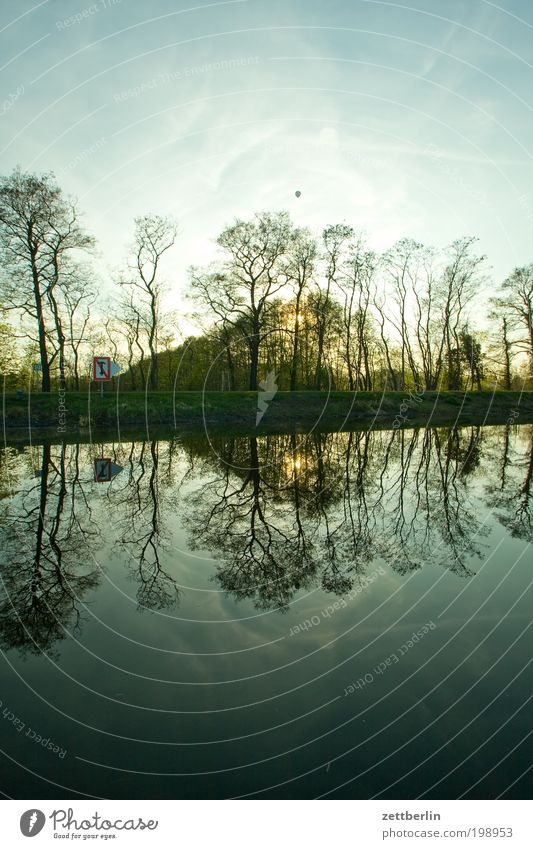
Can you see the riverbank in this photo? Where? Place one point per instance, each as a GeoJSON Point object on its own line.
{"type": "Point", "coordinates": [49, 416]}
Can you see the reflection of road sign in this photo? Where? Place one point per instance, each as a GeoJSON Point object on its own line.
{"type": "Point", "coordinates": [101, 368]}
{"type": "Point", "coordinates": [105, 470]}
{"type": "Point", "coordinates": [102, 469]}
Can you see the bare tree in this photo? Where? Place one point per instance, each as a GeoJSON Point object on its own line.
{"type": "Point", "coordinates": [255, 250]}
{"type": "Point", "coordinates": [211, 288]}
{"type": "Point", "coordinates": [379, 303]}
{"type": "Point", "coordinates": [78, 298]}
{"type": "Point", "coordinates": [516, 303]}
{"type": "Point", "coordinates": [459, 283]}
{"type": "Point", "coordinates": [401, 263]}
{"type": "Point", "coordinates": [300, 269]}
{"type": "Point", "coordinates": [132, 325]}
{"type": "Point", "coordinates": [355, 284]}
{"type": "Point", "coordinates": [252, 273]}
{"type": "Point", "coordinates": [429, 330]}
{"type": "Point", "coordinates": [335, 239]}
{"type": "Point", "coordinates": [154, 236]}
{"type": "Point", "coordinates": [506, 345]}
{"type": "Point", "coordinates": [39, 233]}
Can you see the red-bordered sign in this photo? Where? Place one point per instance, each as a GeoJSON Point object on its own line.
{"type": "Point", "coordinates": [102, 469]}
{"type": "Point", "coordinates": [101, 368]}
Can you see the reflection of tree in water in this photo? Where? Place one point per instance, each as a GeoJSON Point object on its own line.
{"type": "Point", "coordinates": [243, 515]}
{"type": "Point", "coordinates": [284, 510]}
{"type": "Point", "coordinates": [405, 500]}
{"type": "Point", "coordinates": [509, 493]}
{"type": "Point", "coordinates": [136, 502]}
{"type": "Point", "coordinates": [50, 525]}
{"type": "Point", "coordinates": [279, 514]}
{"type": "Point", "coordinates": [431, 518]}
{"type": "Point", "coordinates": [46, 531]}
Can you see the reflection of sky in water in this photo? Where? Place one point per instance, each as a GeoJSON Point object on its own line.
{"type": "Point", "coordinates": [166, 633]}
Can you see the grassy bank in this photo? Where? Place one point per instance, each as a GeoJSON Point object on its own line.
{"type": "Point", "coordinates": [43, 415]}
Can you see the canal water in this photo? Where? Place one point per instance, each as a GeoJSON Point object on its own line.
{"type": "Point", "coordinates": [292, 616]}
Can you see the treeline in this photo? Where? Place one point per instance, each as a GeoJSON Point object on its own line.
{"type": "Point", "coordinates": [281, 305]}
{"type": "Point", "coordinates": [54, 312]}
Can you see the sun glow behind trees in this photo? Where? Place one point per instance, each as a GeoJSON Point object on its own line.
{"type": "Point", "coordinates": [319, 310]}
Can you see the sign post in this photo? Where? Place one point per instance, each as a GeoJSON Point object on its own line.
{"type": "Point", "coordinates": [101, 371]}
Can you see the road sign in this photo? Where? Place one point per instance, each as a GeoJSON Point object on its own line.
{"type": "Point", "coordinates": [105, 470]}
{"type": "Point", "coordinates": [104, 368]}
{"type": "Point", "coordinates": [101, 368]}
{"type": "Point", "coordinates": [37, 367]}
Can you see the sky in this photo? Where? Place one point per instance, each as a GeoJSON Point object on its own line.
{"type": "Point", "coordinates": [400, 118]}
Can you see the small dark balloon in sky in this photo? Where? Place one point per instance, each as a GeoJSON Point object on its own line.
{"type": "Point", "coordinates": [298, 193]}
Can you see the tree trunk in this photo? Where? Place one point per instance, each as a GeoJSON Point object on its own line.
{"type": "Point", "coordinates": [60, 338]}
{"type": "Point", "coordinates": [231, 369]}
{"type": "Point", "coordinates": [507, 355]}
{"type": "Point", "coordinates": [154, 369]}
{"type": "Point", "coordinates": [76, 370]}
{"type": "Point", "coordinates": [296, 342]}
{"type": "Point", "coordinates": [45, 366]}
{"type": "Point", "coordinates": [368, 375]}
{"type": "Point", "coordinates": [254, 361]}
{"type": "Point", "coordinates": [319, 356]}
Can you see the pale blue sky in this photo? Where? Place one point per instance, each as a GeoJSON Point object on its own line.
{"type": "Point", "coordinates": [410, 118]}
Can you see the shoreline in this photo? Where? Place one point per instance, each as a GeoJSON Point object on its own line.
{"type": "Point", "coordinates": [235, 412]}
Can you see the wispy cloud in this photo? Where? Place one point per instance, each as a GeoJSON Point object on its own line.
{"type": "Point", "coordinates": [346, 101]}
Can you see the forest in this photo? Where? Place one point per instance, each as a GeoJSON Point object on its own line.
{"type": "Point", "coordinates": [311, 310]}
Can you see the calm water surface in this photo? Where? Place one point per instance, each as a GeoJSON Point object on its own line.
{"type": "Point", "coordinates": [341, 615]}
